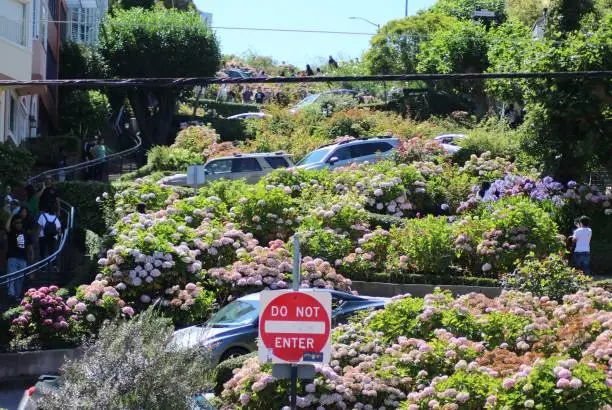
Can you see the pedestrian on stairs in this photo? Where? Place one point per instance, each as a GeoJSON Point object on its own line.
{"type": "Point", "coordinates": [19, 253]}
{"type": "Point", "coordinates": [50, 227]}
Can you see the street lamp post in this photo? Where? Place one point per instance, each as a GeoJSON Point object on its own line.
{"type": "Point", "coordinates": [366, 20]}
{"type": "Point", "coordinates": [406, 9]}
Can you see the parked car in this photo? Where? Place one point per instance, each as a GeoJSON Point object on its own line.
{"type": "Point", "coordinates": [47, 384]}
{"type": "Point", "coordinates": [233, 330]}
{"type": "Point", "coordinates": [312, 98]}
{"type": "Point", "coordinates": [248, 166]}
{"type": "Point", "coordinates": [450, 142]}
{"type": "Point", "coordinates": [347, 152]}
{"type": "Point", "coordinates": [246, 115]}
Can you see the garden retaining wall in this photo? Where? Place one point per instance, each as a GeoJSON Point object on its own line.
{"type": "Point", "coordinates": [393, 289]}
{"type": "Point", "coordinates": [22, 365]}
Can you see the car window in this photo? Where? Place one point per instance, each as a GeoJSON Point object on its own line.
{"type": "Point", "coordinates": [371, 148]}
{"type": "Point", "coordinates": [245, 165]}
{"type": "Point", "coordinates": [343, 153]}
{"type": "Point", "coordinates": [236, 313]}
{"type": "Point", "coordinates": [277, 162]}
{"type": "Point", "coordinates": [314, 156]}
{"type": "Point", "coordinates": [220, 166]}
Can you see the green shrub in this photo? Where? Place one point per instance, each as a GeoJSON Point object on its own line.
{"type": "Point", "coordinates": [82, 196]}
{"type": "Point", "coordinates": [130, 366]}
{"type": "Point", "coordinates": [551, 277]}
{"type": "Point", "coordinates": [498, 139]}
{"type": "Point", "coordinates": [195, 139]}
{"type": "Point", "coordinates": [15, 164]}
{"type": "Point", "coordinates": [224, 370]}
{"type": "Point", "coordinates": [422, 246]}
{"type": "Point", "coordinates": [324, 243]}
{"type": "Point", "coordinates": [540, 387]}
{"type": "Point", "coordinates": [162, 158]}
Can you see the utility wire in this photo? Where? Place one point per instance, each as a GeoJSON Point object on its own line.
{"type": "Point", "coordinates": [281, 30]}
{"type": "Point", "coordinates": [185, 82]}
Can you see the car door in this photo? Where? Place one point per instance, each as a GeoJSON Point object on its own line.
{"type": "Point", "coordinates": [374, 151]}
{"type": "Point", "coordinates": [247, 168]}
{"type": "Point", "coordinates": [275, 162]}
{"type": "Point", "coordinates": [342, 157]}
{"type": "Point", "coordinates": [219, 168]}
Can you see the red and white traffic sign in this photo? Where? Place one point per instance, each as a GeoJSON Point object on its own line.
{"type": "Point", "coordinates": [294, 327]}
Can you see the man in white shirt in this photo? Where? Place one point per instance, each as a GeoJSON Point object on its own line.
{"type": "Point", "coordinates": [50, 228]}
{"type": "Point", "coordinates": [582, 245]}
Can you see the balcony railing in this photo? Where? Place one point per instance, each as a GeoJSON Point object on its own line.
{"type": "Point", "coordinates": [12, 31]}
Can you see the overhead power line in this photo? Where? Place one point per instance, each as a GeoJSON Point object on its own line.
{"type": "Point", "coordinates": [270, 29]}
{"type": "Point", "coordinates": [185, 82]}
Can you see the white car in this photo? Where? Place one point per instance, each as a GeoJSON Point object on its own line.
{"type": "Point", "coordinates": [449, 142]}
{"type": "Point", "coordinates": [247, 115]}
{"type": "Point", "coordinates": [248, 166]}
{"type": "Point", "coordinates": [347, 152]}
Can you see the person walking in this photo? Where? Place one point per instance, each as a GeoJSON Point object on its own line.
{"type": "Point", "coordinates": [247, 95]}
{"type": "Point", "coordinates": [100, 152]}
{"type": "Point", "coordinates": [309, 71]}
{"type": "Point", "coordinates": [581, 239]}
{"type": "Point", "coordinates": [259, 96]}
{"type": "Point", "coordinates": [33, 199]}
{"type": "Point", "coordinates": [19, 253]}
{"type": "Point", "coordinates": [332, 63]}
{"type": "Point", "coordinates": [49, 227]}
{"type": "Point", "coordinates": [50, 197]}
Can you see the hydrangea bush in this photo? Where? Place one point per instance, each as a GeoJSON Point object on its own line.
{"type": "Point", "coordinates": [452, 353]}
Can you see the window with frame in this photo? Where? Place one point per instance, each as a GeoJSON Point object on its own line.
{"type": "Point", "coordinates": [277, 162]}
{"type": "Point", "coordinates": [246, 165]}
{"type": "Point", "coordinates": [221, 166]}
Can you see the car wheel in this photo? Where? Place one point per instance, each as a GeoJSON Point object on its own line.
{"type": "Point", "coordinates": [233, 352]}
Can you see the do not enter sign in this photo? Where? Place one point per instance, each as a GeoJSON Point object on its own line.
{"type": "Point", "coordinates": [294, 327]}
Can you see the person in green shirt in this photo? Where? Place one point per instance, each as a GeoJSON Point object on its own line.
{"type": "Point", "coordinates": [33, 199]}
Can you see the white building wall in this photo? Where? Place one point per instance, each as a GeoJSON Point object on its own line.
{"type": "Point", "coordinates": [15, 63]}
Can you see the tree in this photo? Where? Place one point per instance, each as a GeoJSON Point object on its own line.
{"type": "Point", "coordinates": [158, 43]}
{"type": "Point", "coordinates": [568, 125]}
{"type": "Point", "coordinates": [179, 4]}
{"type": "Point", "coordinates": [526, 11]}
{"type": "Point", "coordinates": [463, 9]}
{"type": "Point", "coordinates": [395, 47]}
{"type": "Point", "coordinates": [565, 15]}
{"type": "Point", "coordinates": [84, 112]}
{"type": "Point", "coordinates": [461, 47]}
{"type": "Point", "coordinates": [132, 366]}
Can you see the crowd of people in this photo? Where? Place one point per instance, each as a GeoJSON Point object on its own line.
{"type": "Point", "coordinates": [32, 231]}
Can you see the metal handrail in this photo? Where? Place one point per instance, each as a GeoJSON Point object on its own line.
{"type": "Point", "coordinates": [65, 208]}
{"type": "Point", "coordinates": [91, 163]}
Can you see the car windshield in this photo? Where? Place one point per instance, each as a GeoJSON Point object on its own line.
{"type": "Point", "coordinates": [308, 100]}
{"type": "Point", "coordinates": [237, 313]}
{"type": "Point", "coordinates": [314, 156]}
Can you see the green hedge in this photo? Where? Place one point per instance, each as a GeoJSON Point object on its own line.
{"type": "Point", "coordinates": [418, 279]}
{"type": "Point", "coordinates": [46, 150]}
{"type": "Point", "coordinates": [229, 130]}
{"type": "Point", "coordinates": [224, 370]}
{"type": "Point", "coordinates": [82, 196]}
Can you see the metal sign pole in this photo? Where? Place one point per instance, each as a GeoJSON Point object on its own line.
{"type": "Point", "coordinates": [295, 286]}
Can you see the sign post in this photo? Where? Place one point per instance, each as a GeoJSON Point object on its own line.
{"type": "Point", "coordinates": [294, 329]}
{"type": "Point", "coordinates": [196, 175]}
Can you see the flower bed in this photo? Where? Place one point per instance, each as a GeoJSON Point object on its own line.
{"type": "Point", "coordinates": [514, 351]}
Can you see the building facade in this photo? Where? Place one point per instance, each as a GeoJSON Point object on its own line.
{"type": "Point", "coordinates": [30, 39]}
{"type": "Point", "coordinates": [83, 20]}
{"type": "Point", "coordinates": [15, 64]}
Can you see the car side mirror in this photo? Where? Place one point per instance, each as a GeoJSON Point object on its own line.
{"type": "Point", "coordinates": [207, 171]}
{"type": "Point", "coordinates": [333, 160]}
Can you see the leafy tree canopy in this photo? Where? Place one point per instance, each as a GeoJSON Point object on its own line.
{"type": "Point", "coordinates": [568, 123]}
{"type": "Point", "coordinates": [526, 11]}
{"type": "Point", "coordinates": [395, 47]}
{"type": "Point", "coordinates": [158, 43]}
{"type": "Point", "coordinates": [463, 9]}
{"type": "Point", "coordinates": [460, 47]}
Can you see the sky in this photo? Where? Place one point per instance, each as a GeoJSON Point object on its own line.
{"type": "Point", "coordinates": [302, 48]}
